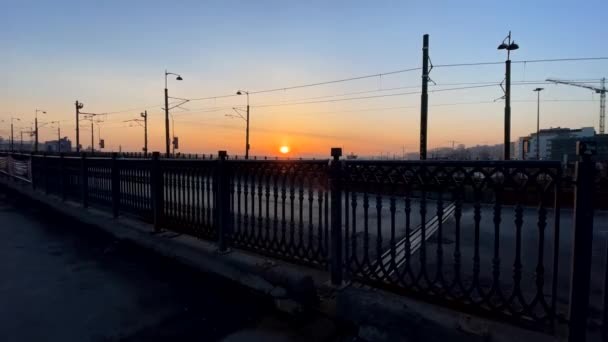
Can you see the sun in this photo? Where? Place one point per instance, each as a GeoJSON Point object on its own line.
{"type": "Point", "coordinates": [284, 149]}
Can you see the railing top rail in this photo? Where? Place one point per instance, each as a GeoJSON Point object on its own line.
{"type": "Point", "coordinates": [278, 161]}
{"type": "Point", "coordinates": [462, 163]}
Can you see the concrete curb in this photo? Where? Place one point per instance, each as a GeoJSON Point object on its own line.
{"type": "Point", "coordinates": [270, 277]}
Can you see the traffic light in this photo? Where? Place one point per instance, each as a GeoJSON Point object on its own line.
{"type": "Point", "coordinates": [102, 143]}
{"type": "Point", "coordinates": [176, 143]}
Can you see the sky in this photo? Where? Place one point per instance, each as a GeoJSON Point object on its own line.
{"type": "Point", "coordinates": [111, 56]}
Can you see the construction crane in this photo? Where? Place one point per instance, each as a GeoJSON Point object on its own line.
{"type": "Point", "coordinates": [601, 90]}
{"type": "Point", "coordinates": [453, 143]}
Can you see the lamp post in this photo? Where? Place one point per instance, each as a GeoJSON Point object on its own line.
{"type": "Point", "coordinates": [508, 45]}
{"type": "Point", "coordinates": [12, 135]}
{"type": "Point", "coordinates": [179, 78]}
{"type": "Point", "coordinates": [36, 128]}
{"type": "Point", "coordinates": [241, 92]}
{"type": "Point", "coordinates": [538, 90]}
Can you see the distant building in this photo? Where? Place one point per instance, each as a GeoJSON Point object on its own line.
{"type": "Point", "coordinates": [64, 145]}
{"type": "Point", "coordinates": [526, 148]}
{"type": "Point", "coordinates": [564, 149]}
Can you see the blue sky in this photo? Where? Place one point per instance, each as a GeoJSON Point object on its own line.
{"type": "Point", "coordinates": [111, 55]}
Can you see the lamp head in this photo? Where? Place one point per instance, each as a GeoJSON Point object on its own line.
{"type": "Point", "coordinates": [179, 78]}
{"type": "Point", "coordinates": [538, 89]}
{"type": "Point", "coordinates": [239, 93]}
{"type": "Point", "coordinates": [502, 46]}
{"type": "Point", "coordinates": [513, 46]}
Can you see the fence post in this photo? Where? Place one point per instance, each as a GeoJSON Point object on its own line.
{"type": "Point", "coordinates": [335, 185]}
{"type": "Point", "coordinates": [582, 241]}
{"type": "Point", "coordinates": [84, 180]}
{"type": "Point", "coordinates": [62, 176]}
{"type": "Point", "coordinates": [115, 179]}
{"type": "Point", "coordinates": [157, 191]}
{"type": "Point", "coordinates": [222, 201]}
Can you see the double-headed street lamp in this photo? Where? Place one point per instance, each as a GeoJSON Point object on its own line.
{"type": "Point", "coordinates": [508, 45]}
{"type": "Point", "coordinates": [241, 92]}
{"type": "Point", "coordinates": [167, 141]}
{"type": "Point", "coordinates": [538, 90]}
{"type": "Point", "coordinates": [36, 128]}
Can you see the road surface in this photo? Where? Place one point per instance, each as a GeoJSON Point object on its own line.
{"type": "Point", "coordinates": [64, 281]}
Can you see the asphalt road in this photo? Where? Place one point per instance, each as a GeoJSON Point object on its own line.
{"type": "Point", "coordinates": [64, 281]}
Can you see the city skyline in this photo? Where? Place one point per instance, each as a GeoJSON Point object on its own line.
{"type": "Point", "coordinates": [90, 61]}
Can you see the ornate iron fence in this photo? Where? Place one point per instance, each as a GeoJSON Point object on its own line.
{"type": "Point", "coordinates": [188, 200]}
{"type": "Point", "coordinates": [481, 236]}
{"type": "Point", "coordinates": [462, 233]}
{"type": "Point", "coordinates": [280, 208]}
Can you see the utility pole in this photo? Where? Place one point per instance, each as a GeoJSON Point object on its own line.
{"type": "Point", "coordinates": [247, 146]}
{"type": "Point", "coordinates": [12, 135]}
{"type": "Point", "coordinates": [79, 106]}
{"type": "Point", "coordinates": [145, 116]}
{"type": "Point", "coordinates": [36, 128]}
{"type": "Point", "coordinates": [92, 135]}
{"type": "Point", "coordinates": [145, 127]}
{"type": "Point", "coordinates": [91, 117]}
{"type": "Point", "coordinates": [508, 45]}
{"type": "Point", "coordinates": [538, 90]}
{"type": "Point", "coordinates": [166, 116]}
{"type": "Point", "coordinates": [58, 136]}
{"type": "Point", "coordinates": [424, 97]}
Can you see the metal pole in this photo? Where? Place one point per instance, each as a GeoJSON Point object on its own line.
{"type": "Point", "coordinates": [538, 124]}
{"type": "Point", "coordinates": [12, 137]}
{"type": "Point", "coordinates": [166, 117]}
{"type": "Point", "coordinates": [582, 242]}
{"type": "Point", "coordinates": [36, 131]}
{"type": "Point", "coordinates": [58, 137]}
{"type": "Point", "coordinates": [92, 137]}
{"type": "Point", "coordinates": [247, 133]}
{"type": "Point", "coordinates": [424, 98]}
{"type": "Point", "coordinates": [507, 142]}
{"type": "Point", "coordinates": [21, 143]}
{"type": "Point", "coordinates": [173, 134]}
{"type": "Point", "coordinates": [145, 133]}
{"type": "Point", "coordinates": [336, 218]}
{"type": "Point", "coordinates": [77, 127]}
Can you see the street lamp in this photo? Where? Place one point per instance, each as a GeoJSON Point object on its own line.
{"type": "Point", "coordinates": [247, 147]}
{"type": "Point", "coordinates": [178, 78]}
{"type": "Point", "coordinates": [36, 127]}
{"type": "Point", "coordinates": [508, 45]}
{"type": "Point", "coordinates": [538, 90]}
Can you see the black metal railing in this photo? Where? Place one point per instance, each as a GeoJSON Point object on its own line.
{"type": "Point", "coordinates": [188, 197]}
{"type": "Point", "coordinates": [479, 236]}
{"type": "Point", "coordinates": [280, 208]}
